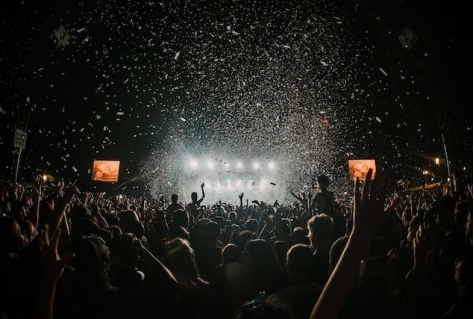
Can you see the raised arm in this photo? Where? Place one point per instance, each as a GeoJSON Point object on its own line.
{"type": "Point", "coordinates": [34, 216]}
{"type": "Point", "coordinates": [369, 213]}
{"type": "Point", "coordinates": [240, 210]}
{"type": "Point", "coordinates": [53, 266]}
{"type": "Point", "coordinates": [156, 268]}
{"type": "Point", "coordinates": [297, 197]}
{"type": "Point", "coordinates": [57, 218]}
{"type": "Point", "coordinates": [95, 210]}
{"type": "Point", "coordinates": [202, 190]}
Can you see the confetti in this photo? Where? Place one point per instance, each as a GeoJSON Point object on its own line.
{"type": "Point", "coordinates": [293, 83]}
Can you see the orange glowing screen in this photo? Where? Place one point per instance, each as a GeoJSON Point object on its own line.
{"type": "Point", "coordinates": [105, 171]}
{"type": "Point", "coordinates": [360, 167]}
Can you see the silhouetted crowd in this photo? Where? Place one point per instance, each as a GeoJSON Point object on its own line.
{"type": "Point", "coordinates": [69, 253]}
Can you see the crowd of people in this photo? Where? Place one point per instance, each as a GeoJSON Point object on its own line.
{"type": "Point", "coordinates": [69, 253]}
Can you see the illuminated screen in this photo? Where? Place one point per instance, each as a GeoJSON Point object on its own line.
{"type": "Point", "coordinates": [105, 171]}
{"type": "Point", "coordinates": [359, 168]}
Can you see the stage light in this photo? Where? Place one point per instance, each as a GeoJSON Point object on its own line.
{"type": "Point", "coordinates": [271, 165]}
{"type": "Point", "coordinates": [210, 165]}
{"type": "Point", "coordinates": [256, 165]}
{"type": "Point", "coordinates": [240, 165]}
{"type": "Point", "coordinates": [194, 164]}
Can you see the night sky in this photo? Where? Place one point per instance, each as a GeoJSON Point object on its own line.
{"type": "Point", "coordinates": [309, 84]}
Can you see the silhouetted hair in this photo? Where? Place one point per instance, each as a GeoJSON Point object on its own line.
{"type": "Point", "coordinates": [323, 181]}
{"type": "Point", "coordinates": [181, 258]}
{"type": "Point", "coordinates": [174, 198]}
{"type": "Point", "coordinates": [180, 218]}
{"type": "Point", "coordinates": [267, 272]}
{"type": "Point", "coordinates": [321, 225]}
{"type": "Point", "coordinates": [231, 253]}
{"type": "Point", "coordinates": [298, 259]}
{"type": "Point", "coordinates": [212, 231]}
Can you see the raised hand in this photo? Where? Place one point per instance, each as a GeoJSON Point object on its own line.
{"type": "Point", "coordinates": [53, 267]}
{"type": "Point", "coordinates": [70, 191]}
{"type": "Point", "coordinates": [53, 264]}
{"type": "Point", "coordinates": [369, 210]}
{"type": "Point", "coordinates": [37, 185]}
{"type": "Point", "coordinates": [369, 213]}
{"type": "Point", "coordinates": [59, 190]}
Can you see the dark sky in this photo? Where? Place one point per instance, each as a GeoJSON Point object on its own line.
{"type": "Point", "coordinates": [149, 83]}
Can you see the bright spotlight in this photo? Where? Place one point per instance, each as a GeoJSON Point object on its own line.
{"type": "Point", "coordinates": [194, 164]}
{"type": "Point", "coordinates": [210, 165]}
{"type": "Point", "coordinates": [256, 165]}
{"type": "Point", "coordinates": [240, 165]}
{"type": "Point", "coordinates": [271, 165]}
